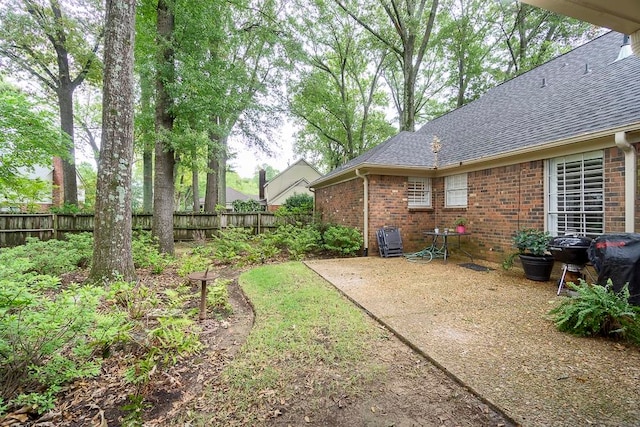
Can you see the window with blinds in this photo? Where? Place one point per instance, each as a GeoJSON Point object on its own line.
{"type": "Point", "coordinates": [455, 188]}
{"type": "Point", "coordinates": [419, 192]}
{"type": "Point", "coordinates": [576, 194]}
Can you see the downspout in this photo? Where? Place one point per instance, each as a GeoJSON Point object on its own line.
{"type": "Point", "coordinates": [630, 176]}
{"type": "Point", "coordinates": [365, 211]}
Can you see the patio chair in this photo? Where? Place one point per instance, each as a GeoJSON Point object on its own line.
{"type": "Point", "coordinates": [389, 242]}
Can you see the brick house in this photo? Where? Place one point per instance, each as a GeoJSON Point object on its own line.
{"type": "Point", "coordinates": [554, 148]}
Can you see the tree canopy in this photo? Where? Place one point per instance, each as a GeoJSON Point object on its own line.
{"type": "Point", "coordinates": [28, 138]}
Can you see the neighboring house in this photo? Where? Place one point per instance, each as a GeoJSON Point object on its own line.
{"type": "Point", "coordinates": [46, 174]}
{"type": "Point", "coordinates": [293, 180]}
{"type": "Point", "coordinates": [554, 148]}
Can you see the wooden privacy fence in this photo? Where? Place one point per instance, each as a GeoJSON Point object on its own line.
{"type": "Point", "coordinates": [15, 228]}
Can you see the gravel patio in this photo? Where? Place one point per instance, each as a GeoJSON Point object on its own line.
{"type": "Point", "coordinates": [490, 330]}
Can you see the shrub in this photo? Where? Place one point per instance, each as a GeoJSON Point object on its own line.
{"type": "Point", "coordinates": [598, 310]}
{"type": "Point", "coordinates": [299, 204]}
{"type": "Point", "coordinates": [297, 240]}
{"type": "Point", "coordinates": [53, 257]}
{"type": "Point", "coordinates": [249, 205]}
{"type": "Point", "coordinates": [342, 240]}
{"type": "Point", "coordinates": [47, 335]}
{"type": "Point", "coordinates": [146, 253]}
{"type": "Point", "coordinates": [232, 244]}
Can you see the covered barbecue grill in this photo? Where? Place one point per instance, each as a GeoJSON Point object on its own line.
{"type": "Point", "coordinates": [573, 252]}
{"type": "Point", "coordinates": [616, 257]}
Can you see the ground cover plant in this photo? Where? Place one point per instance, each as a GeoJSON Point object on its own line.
{"type": "Point", "coordinates": [598, 311]}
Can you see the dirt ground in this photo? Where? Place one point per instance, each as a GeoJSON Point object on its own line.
{"type": "Point", "coordinates": [413, 392]}
{"type": "Point", "coordinates": [491, 330]}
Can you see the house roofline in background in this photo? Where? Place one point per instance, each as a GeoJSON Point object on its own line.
{"type": "Point", "coordinates": [290, 166]}
{"type": "Point", "coordinates": [575, 144]}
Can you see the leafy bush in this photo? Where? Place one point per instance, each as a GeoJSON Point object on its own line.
{"type": "Point", "coordinates": [232, 244]}
{"type": "Point", "coordinates": [297, 240]}
{"type": "Point", "coordinates": [247, 206]}
{"type": "Point", "coordinates": [342, 240]}
{"type": "Point", "coordinates": [53, 257]}
{"type": "Point", "coordinates": [218, 296]}
{"type": "Point", "coordinates": [598, 310]}
{"type": "Point", "coordinates": [299, 204]}
{"type": "Point", "coordinates": [297, 209]}
{"type": "Point", "coordinates": [146, 252]}
{"type": "Point", "coordinates": [47, 335]}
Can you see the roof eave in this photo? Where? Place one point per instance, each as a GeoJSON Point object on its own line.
{"type": "Point", "coordinates": [578, 143]}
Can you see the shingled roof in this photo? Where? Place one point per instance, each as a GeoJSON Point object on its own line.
{"type": "Point", "coordinates": [582, 92]}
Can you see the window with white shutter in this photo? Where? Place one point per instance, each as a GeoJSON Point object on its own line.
{"type": "Point", "coordinates": [576, 194]}
{"type": "Point", "coordinates": [455, 188]}
{"type": "Point", "coordinates": [419, 192]}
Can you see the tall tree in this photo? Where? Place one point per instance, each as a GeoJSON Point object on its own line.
{"type": "Point", "coordinates": [467, 39]}
{"type": "Point", "coordinates": [58, 48]}
{"type": "Point", "coordinates": [407, 34]}
{"type": "Point", "coordinates": [337, 100]}
{"type": "Point", "coordinates": [163, 189]}
{"type": "Point", "coordinates": [112, 257]}
{"type": "Point", "coordinates": [532, 35]}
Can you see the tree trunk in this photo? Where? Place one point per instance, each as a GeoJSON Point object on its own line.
{"type": "Point", "coordinates": [194, 186]}
{"type": "Point", "coordinates": [222, 173]}
{"type": "Point", "coordinates": [147, 179]}
{"type": "Point", "coordinates": [164, 185]}
{"type": "Point", "coordinates": [146, 89]}
{"type": "Point", "coordinates": [69, 181]}
{"type": "Point", "coordinates": [112, 256]}
{"type": "Point", "coordinates": [211, 194]}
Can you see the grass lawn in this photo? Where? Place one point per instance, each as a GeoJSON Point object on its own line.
{"type": "Point", "coordinates": [307, 341]}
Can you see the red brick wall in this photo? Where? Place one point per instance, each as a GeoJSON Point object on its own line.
{"type": "Point", "coordinates": [342, 203]}
{"type": "Point", "coordinates": [500, 201]}
{"type": "Point", "coordinates": [388, 207]}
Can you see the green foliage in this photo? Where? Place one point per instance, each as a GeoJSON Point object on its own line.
{"type": "Point", "coordinates": [46, 334]}
{"type": "Point", "coordinates": [299, 204]}
{"type": "Point", "coordinates": [193, 262]}
{"type": "Point", "coordinates": [28, 137]}
{"type": "Point", "coordinates": [598, 310]}
{"type": "Point", "coordinates": [218, 296]}
{"type": "Point", "coordinates": [67, 208]}
{"type": "Point", "coordinates": [532, 241]}
{"type": "Point", "coordinates": [248, 205]}
{"type": "Point", "coordinates": [342, 240]}
{"type": "Point", "coordinates": [232, 244]}
{"type": "Point", "coordinates": [146, 252]}
{"type": "Point", "coordinates": [297, 240]}
{"type": "Point", "coordinates": [53, 256]}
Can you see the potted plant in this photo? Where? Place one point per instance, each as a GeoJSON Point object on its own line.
{"type": "Point", "coordinates": [533, 250]}
{"type": "Point", "coordinates": [460, 224]}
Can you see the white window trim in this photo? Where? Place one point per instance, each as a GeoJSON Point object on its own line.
{"type": "Point", "coordinates": [419, 202]}
{"type": "Point", "coordinates": [552, 212]}
{"type": "Point", "coordinates": [456, 189]}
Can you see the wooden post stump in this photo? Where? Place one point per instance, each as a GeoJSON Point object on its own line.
{"type": "Point", "coordinates": [203, 278]}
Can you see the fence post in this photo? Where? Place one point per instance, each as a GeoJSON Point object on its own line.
{"type": "Point", "coordinates": [54, 224]}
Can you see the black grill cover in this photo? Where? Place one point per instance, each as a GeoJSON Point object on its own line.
{"type": "Point", "coordinates": [617, 257]}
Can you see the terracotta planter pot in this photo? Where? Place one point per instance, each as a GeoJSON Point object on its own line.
{"type": "Point", "coordinates": [536, 267]}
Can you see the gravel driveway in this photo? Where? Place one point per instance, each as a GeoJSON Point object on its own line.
{"type": "Point", "coordinates": [490, 331]}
